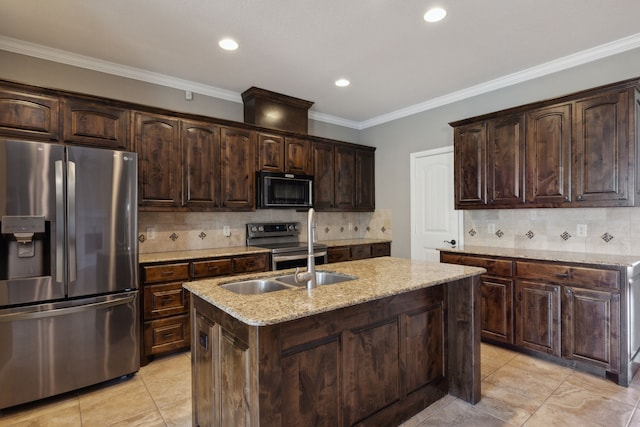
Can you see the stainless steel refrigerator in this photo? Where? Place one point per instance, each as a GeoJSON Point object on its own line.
{"type": "Point", "coordinates": [68, 268]}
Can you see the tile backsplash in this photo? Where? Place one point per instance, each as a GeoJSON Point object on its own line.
{"type": "Point", "coordinates": [172, 231]}
{"type": "Point", "coordinates": [608, 230]}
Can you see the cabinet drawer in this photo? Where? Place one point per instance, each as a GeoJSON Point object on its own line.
{"type": "Point", "coordinates": [579, 276]}
{"type": "Point", "coordinates": [166, 334]}
{"type": "Point", "coordinates": [380, 249]}
{"type": "Point", "coordinates": [217, 267]}
{"type": "Point", "coordinates": [247, 264]}
{"type": "Point", "coordinates": [360, 252]}
{"type": "Point", "coordinates": [165, 300]}
{"type": "Point", "coordinates": [166, 273]}
{"type": "Point", "coordinates": [498, 267]}
{"type": "Point", "coordinates": [338, 254]}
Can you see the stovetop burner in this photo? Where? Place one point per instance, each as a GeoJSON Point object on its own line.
{"type": "Point", "coordinates": [280, 237]}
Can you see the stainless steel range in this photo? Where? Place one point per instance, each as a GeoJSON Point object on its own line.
{"type": "Point", "coordinates": [283, 238]}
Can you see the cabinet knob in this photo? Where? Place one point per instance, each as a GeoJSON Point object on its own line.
{"type": "Point", "coordinates": [579, 197]}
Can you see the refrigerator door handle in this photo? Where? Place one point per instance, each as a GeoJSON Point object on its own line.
{"type": "Point", "coordinates": [38, 314]}
{"type": "Point", "coordinates": [71, 220]}
{"type": "Point", "coordinates": [59, 239]}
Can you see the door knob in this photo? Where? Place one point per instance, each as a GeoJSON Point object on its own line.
{"type": "Point", "coordinates": [452, 242]}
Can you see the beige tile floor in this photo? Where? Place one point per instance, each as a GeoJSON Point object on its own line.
{"type": "Point", "coordinates": [517, 390]}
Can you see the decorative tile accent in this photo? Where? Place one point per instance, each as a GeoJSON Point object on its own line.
{"type": "Point", "coordinates": [202, 235]}
{"type": "Point", "coordinates": [472, 232]}
{"type": "Point", "coordinates": [383, 229]}
{"type": "Point", "coordinates": [368, 228]}
{"type": "Point", "coordinates": [326, 229]}
{"type": "Point", "coordinates": [530, 234]}
{"type": "Point", "coordinates": [355, 228]}
{"type": "Point", "coordinates": [141, 238]}
{"type": "Point", "coordinates": [499, 233]}
{"type": "Point", "coordinates": [342, 229]}
{"type": "Point", "coordinates": [607, 237]}
{"type": "Point", "coordinates": [565, 236]}
{"type": "Point", "coordinates": [174, 237]}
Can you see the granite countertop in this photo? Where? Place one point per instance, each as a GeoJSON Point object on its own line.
{"type": "Point", "coordinates": [377, 278]}
{"type": "Point", "coordinates": [199, 253]}
{"type": "Point", "coordinates": [544, 255]}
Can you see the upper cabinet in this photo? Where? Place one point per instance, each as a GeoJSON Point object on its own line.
{"type": "Point", "coordinates": [200, 144]}
{"type": "Point", "coordinates": [576, 151]}
{"type": "Point", "coordinates": [277, 153]}
{"type": "Point", "coordinates": [237, 161]}
{"type": "Point", "coordinates": [25, 114]}
{"type": "Point", "coordinates": [343, 177]}
{"type": "Point", "coordinates": [95, 123]}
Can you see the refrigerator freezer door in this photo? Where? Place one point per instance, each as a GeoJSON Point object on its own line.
{"type": "Point", "coordinates": [54, 348]}
{"type": "Point", "coordinates": [31, 189]}
{"type": "Point", "coordinates": [102, 221]}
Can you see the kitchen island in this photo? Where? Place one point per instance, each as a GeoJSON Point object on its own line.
{"type": "Point", "coordinates": [370, 351]}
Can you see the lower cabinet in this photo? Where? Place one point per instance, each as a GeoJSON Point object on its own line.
{"type": "Point", "coordinates": [368, 364]}
{"type": "Point", "coordinates": [165, 304]}
{"type": "Point", "coordinates": [358, 251]}
{"type": "Point", "coordinates": [572, 312]}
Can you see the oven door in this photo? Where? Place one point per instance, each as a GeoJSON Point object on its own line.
{"type": "Point", "coordinates": [284, 261]}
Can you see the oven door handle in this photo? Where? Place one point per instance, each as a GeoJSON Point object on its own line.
{"type": "Point", "coordinates": [279, 258]}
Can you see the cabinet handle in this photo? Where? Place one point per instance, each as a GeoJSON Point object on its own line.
{"type": "Point", "coordinates": [563, 275]}
{"type": "Point", "coordinates": [168, 335]}
{"type": "Point", "coordinates": [166, 273]}
{"type": "Point", "coordinates": [212, 268]}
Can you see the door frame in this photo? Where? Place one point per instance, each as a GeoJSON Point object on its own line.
{"type": "Point", "coordinates": [414, 191]}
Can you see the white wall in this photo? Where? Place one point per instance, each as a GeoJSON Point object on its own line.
{"type": "Point", "coordinates": [396, 140]}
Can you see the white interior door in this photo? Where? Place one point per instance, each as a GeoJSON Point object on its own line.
{"type": "Point", "coordinates": [433, 218]}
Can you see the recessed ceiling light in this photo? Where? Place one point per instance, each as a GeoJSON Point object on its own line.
{"type": "Point", "coordinates": [342, 82]}
{"type": "Point", "coordinates": [228, 44]}
{"type": "Point", "coordinates": [435, 14]}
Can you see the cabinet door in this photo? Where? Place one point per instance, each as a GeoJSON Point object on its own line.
{"type": "Point", "coordinates": [238, 159]}
{"type": "Point", "coordinates": [505, 160]}
{"type": "Point", "coordinates": [470, 147]}
{"type": "Point", "coordinates": [323, 176]}
{"type": "Point", "coordinates": [601, 150]}
{"type": "Point", "coordinates": [29, 115]}
{"type": "Point", "coordinates": [591, 327]}
{"type": "Point", "coordinates": [345, 178]}
{"type": "Point", "coordinates": [298, 156]}
{"type": "Point", "coordinates": [537, 316]}
{"type": "Point", "coordinates": [365, 180]}
{"type": "Point", "coordinates": [206, 405]}
{"type": "Point", "coordinates": [201, 168]}
{"type": "Point", "coordinates": [270, 152]}
{"type": "Point", "coordinates": [157, 142]}
{"type": "Point", "coordinates": [92, 123]}
{"type": "Point", "coordinates": [497, 309]}
{"type": "Point", "coordinates": [548, 157]}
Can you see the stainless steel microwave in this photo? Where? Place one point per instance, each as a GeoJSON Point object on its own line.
{"type": "Point", "coordinates": [284, 190]}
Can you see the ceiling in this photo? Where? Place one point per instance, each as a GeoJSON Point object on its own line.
{"type": "Point", "coordinates": [397, 63]}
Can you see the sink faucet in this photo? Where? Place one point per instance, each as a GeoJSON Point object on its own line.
{"type": "Point", "coordinates": [310, 275]}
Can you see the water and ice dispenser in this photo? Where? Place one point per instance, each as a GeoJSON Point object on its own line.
{"type": "Point", "coordinates": [24, 249]}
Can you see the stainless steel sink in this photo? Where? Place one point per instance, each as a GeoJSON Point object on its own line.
{"type": "Point", "coordinates": [253, 287]}
{"type": "Point", "coordinates": [322, 278]}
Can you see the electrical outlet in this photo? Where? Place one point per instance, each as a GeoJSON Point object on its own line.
{"type": "Point", "coordinates": [350, 226]}
{"type": "Point", "coordinates": [226, 231]}
{"type": "Point", "coordinates": [581, 230]}
{"type": "Point", "coordinates": [491, 228]}
{"type": "Point", "coordinates": [151, 233]}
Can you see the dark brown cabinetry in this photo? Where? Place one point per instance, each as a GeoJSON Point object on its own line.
{"type": "Point", "coordinates": [576, 151]}
{"type": "Point", "coordinates": [29, 115]}
{"type": "Point", "coordinates": [572, 312]}
{"type": "Point", "coordinates": [200, 165]}
{"type": "Point", "coordinates": [297, 156]}
{"type": "Point", "coordinates": [94, 123]}
{"type": "Point", "coordinates": [165, 303]}
{"type": "Point", "coordinates": [344, 178]}
{"type": "Point", "coordinates": [237, 159]}
{"type": "Point", "coordinates": [277, 153]}
{"type": "Point", "coordinates": [358, 251]}
{"type": "Point", "coordinates": [157, 142]}
{"type": "Point", "coordinates": [370, 364]}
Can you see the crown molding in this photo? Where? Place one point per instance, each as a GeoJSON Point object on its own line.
{"type": "Point", "coordinates": [583, 57]}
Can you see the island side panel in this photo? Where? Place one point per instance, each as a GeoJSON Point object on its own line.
{"type": "Point", "coordinates": [464, 329]}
